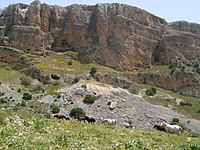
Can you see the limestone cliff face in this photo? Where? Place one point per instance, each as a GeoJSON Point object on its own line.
{"type": "Point", "coordinates": [116, 35]}
{"type": "Point", "coordinates": [180, 39]}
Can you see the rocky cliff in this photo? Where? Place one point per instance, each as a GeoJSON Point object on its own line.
{"type": "Point", "coordinates": [116, 35]}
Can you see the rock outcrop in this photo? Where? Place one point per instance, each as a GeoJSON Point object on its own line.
{"type": "Point", "coordinates": [181, 39]}
{"type": "Point", "coordinates": [116, 35]}
{"type": "Point", "coordinates": [185, 83]}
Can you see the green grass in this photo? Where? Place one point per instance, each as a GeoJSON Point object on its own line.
{"type": "Point", "coordinates": [10, 76]}
{"type": "Point", "coordinates": [166, 98]}
{"type": "Point", "coordinates": [58, 63]}
{"type": "Point", "coordinates": [157, 69]}
{"type": "Point", "coordinates": [42, 133]}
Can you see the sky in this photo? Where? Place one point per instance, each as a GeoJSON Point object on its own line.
{"type": "Point", "coordinates": [170, 10]}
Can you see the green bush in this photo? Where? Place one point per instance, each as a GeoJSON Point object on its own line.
{"type": "Point", "coordinates": [154, 90]}
{"type": "Point", "coordinates": [3, 101]}
{"type": "Point", "coordinates": [69, 62]}
{"type": "Point", "coordinates": [75, 80]}
{"type": "Point", "coordinates": [173, 70]}
{"type": "Point", "coordinates": [23, 104]}
{"type": "Point", "coordinates": [47, 115]}
{"type": "Point", "coordinates": [170, 66]}
{"type": "Point", "coordinates": [151, 91]}
{"type": "Point", "coordinates": [182, 103]}
{"type": "Point", "coordinates": [55, 108]}
{"type": "Point", "coordinates": [174, 121]}
{"type": "Point", "coordinates": [2, 94]}
{"type": "Point", "coordinates": [58, 96]}
{"type": "Point", "coordinates": [182, 68]}
{"type": "Point", "coordinates": [195, 147]}
{"type": "Point", "coordinates": [77, 112]}
{"type": "Point", "coordinates": [1, 41]}
{"type": "Point", "coordinates": [27, 96]}
{"type": "Point", "coordinates": [93, 71]}
{"type": "Point", "coordinates": [198, 70]}
{"type": "Point", "coordinates": [89, 99]}
{"type": "Point", "coordinates": [19, 90]}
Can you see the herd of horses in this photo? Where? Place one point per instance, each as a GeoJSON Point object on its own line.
{"type": "Point", "coordinates": [86, 118]}
{"type": "Point", "coordinates": [163, 126]}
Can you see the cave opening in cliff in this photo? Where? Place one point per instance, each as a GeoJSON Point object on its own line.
{"type": "Point", "coordinates": [156, 55]}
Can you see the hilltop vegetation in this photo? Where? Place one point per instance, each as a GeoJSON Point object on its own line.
{"type": "Point", "coordinates": [34, 104]}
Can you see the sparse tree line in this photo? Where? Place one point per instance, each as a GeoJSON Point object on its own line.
{"type": "Point", "coordinates": [179, 65]}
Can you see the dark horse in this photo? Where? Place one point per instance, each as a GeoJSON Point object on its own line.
{"type": "Point", "coordinates": [88, 119]}
{"type": "Point", "coordinates": [59, 116]}
{"type": "Point", "coordinates": [159, 127]}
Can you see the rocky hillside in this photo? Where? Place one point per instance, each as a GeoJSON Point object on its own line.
{"type": "Point", "coordinates": [115, 35]}
{"type": "Point", "coordinates": [118, 57]}
{"type": "Point", "coordinates": [115, 103]}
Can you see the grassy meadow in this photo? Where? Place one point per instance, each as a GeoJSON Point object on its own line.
{"type": "Point", "coordinates": [37, 132]}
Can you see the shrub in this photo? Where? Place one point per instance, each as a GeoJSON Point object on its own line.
{"type": "Point", "coordinates": [198, 70]}
{"type": "Point", "coordinates": [151, 91]}
{"type": "Point", "coordinates": [69, 62]}
{"type": "Point", "coordinates": [27, 96]}
{"type": "Point", "coordinates": [182, 68]}
{"type": "Point", "coordinates": [55, 108]}
{"type": "Point", "coordinates": [58, 96]}
{"type": "Point", "coordinates": [76, 80]}
{"type": "Point", "coordinates": [89, 99]}
{"type": "Point", "coordinates": [2, 94]}
{"type": "Point", "coordinates": [170, 66]}
{"type": "Point", "coordinates": [93, 71]}
{"type": "Point", "coordinates": [25, 81]}
{"type": "Point", "coordinates": [1, 41]}
{"type": "Point", "coordinates": [23, 104]}
{"type": "Point", "coordinates": [182, 103]}
{"type": "Point", "coordinates": [174, 121]}
{"type": "Point", "coordinates": [194, 147]}
{"type": "Point", "coordinates": [19, 90]}
{"type": "Point", "coordinates": [154, 90]}
{"type": "Point", "coordinates": [173, 70]}
{"type": "Point", "coordinates": [47, 115]}
{"type": "Point", "coordinates": [196, 65]}
{"type": "Point", "coordinates": [77, 112]}
{"type": "Point", "coordinates": [3, 101]}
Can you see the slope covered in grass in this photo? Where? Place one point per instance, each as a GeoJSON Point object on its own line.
{"type": "Point", "coordinates": [170, 99]}
{"type": "Point", "coordinates": [34, 132]}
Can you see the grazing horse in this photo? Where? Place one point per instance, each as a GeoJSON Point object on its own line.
{"type": "Point", "coordinates": [80, 118]}
{"type": "Point", "coordinates": [159, 127]}
{"type": "Point", "coordinates": [109, 121]}
{"type": "Point", "coordinates": [87, 118]}
{"type": "Point", "coordinates": [172, 128]}
{"type": "Point", "coordinates": [90, 119]}
{"type": "Point", "coordinates": [59, 116]}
